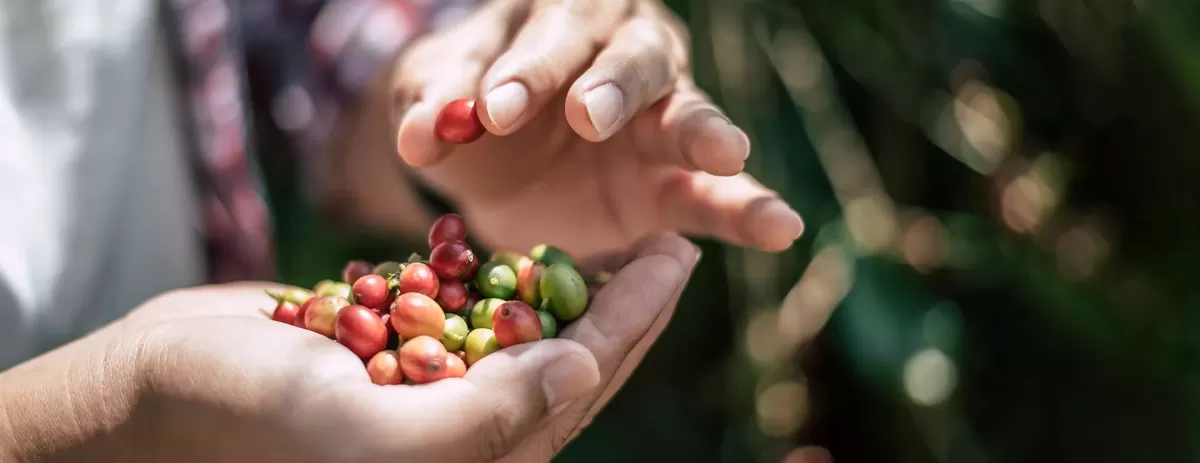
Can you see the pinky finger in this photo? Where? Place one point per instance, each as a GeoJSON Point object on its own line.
{"type": "Point", "coordinates": [736, 209]}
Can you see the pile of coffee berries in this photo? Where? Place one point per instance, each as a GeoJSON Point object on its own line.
{"type": "Point", "coordinates": [427, 319]}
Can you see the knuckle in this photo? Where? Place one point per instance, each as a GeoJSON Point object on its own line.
{"type": "Point", "coordinates": [495, 436]}
{"type": "Point", "coordinates": [562, 435]}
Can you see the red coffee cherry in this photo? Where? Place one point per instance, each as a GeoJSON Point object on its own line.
{"type": "Point", "coordinates": [458, 122]}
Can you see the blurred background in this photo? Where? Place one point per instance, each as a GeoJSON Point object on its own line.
{"type": "Point", "coordinates": [1002, 213]}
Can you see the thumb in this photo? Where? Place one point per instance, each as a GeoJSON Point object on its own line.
{"type": "Point", "coordinates": [442, 68]}
{"type": "Point", "coordinates": [528, 383]}
{"type": "Point", "coordinates": [503, 399]}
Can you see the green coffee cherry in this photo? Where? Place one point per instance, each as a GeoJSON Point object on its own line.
{"type": "Point", "coordinates": [325, 288]}
{"type": "Point", "coordinates": [550, 255]}
{"type": "Point", "coordinates": [510, 258]}
{"type": "Point", "coordinates": [564, 292]}
{"type": "Point", "coordinates": [293, 294]}
{"type": "Point", "coordinates": [549, 324]}
{"type": "Point", "coordinates": [480, 343]}
{"type": "Point", "coordinates": [481, 314]}
{"type": "Point", "coordinates": [456, 332]}
{"type": "Point", "coordinates": [344, 290]}
{"type": "Point", "coordinates": [496, 280]}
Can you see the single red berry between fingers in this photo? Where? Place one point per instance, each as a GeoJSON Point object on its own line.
{"type": "Point", "coordinates": [458, 122]}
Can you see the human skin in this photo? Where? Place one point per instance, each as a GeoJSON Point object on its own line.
{"type": "Point", "coordinates": [204, 375]}
{"type": "Point", "coordinates": [597, 134]}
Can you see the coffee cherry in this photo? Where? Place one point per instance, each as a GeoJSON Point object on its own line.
{"type": "Point", "coordinates": [449, 227]}
{"type": "Point", "coordinates": [455, 332]}
{"type": "Point", "coordinates": [452, 260]}
{"type": "Point", "coordinates": [384, 368]}
{"type": "Point", "coordinates": [321, 316]}
{"type": "Point", "coordinates": [354, 270]}
{"type": "Point", "coordinates": [339, 289]}
{"type": "Point", "coordinates": [295, 295]}
{"type": "Point", "coordinates": [496, 280]}
{"type": "Point", "coordinates": [324, 288]}
{"type": "Point", "coordinates": [371, 291]}
{"type": "Point", "coordinates": [285, 312]}
{"type": "Point", "coordinates": [550, 255]}
{"type": "Point", "coordinates": [458, 122]}
{"type": "Point", "coordinates": [423, 359]}
{"type": "Point", "coordinates": [514, 323]}
{"type": "Point", "coordinates": [415, 314]}
{"type": "Point", "coordinates": [510, 258]}
{"type": "Point", "coordinates": [471, 271]}
{"type": "Point", "coordinates": [360, 330]}
{"type": "Point", "coordinates": [452, 295]}
{"type": "Point", "coordinates": [529, 279]}
{"type": "Point", "coordinates": [549, 324]}
{"type": "Point", "coordinates": [418, 278]}
{"type": "Point", "coordinates": [299, 322]}
{"type": "Point", "coordinates": [480, 343]}
{"type": "Point", "coordinates": [456, 367]}
{"type": "Point", "coordinates": [481, 314]}
{"type": "Point", "coordinates": [564, 291]}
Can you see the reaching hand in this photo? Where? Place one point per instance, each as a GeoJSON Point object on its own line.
{"type": "Point", "coordinates": [597, 135]}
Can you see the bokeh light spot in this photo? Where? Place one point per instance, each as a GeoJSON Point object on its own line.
{"type": "Point", "coordinates": [929, 377]}
{"type": "Point", "coordinates": [782, 408]}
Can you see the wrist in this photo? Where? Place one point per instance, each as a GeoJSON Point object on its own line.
{"type": "Point", "coordinates": [70, 403]}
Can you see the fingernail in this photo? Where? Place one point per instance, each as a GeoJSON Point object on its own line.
{"type": "Point", "coordinates": [780, 225]}
{"type": "Point", "coordinates": [720, 148]}
{"type": "Point", "coordinates": [604, 106]}
{"type": "Point", "coordinates": [506, 103]}
{"type": "Point", "coordinates": [567, 379]}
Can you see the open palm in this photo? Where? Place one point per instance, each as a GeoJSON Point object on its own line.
{"type": "Point", "coordinates": [210, 359]}
{"type": "Point", "coordinates": [596, 134]}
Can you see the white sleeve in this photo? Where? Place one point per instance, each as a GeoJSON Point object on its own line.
{"type": "Point", "coordinates": [97, 201]}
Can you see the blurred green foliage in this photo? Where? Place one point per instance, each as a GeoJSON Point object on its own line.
{"type": "Point", "coordinates": [1002, 208]}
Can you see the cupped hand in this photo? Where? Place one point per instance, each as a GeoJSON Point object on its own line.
{"type": "Point", "coordinates": [597, 135]}
{"type": "Point", "coordinates": [222, 382]}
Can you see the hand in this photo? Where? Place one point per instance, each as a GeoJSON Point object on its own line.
{"type": "Point", "coordinates": [216, 380]}
{"type": "Point", "coordinates": [597, 134]}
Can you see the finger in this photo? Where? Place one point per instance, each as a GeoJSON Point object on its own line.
{"type": "Point", "coordinates": [559, 40]}
{"type": "Point", "coordinates": [443, 69]}
{"type": "Point", "coordinates": [630, 312]}
{"type": "Point", "coordinates": [636, 69]}
{"type": "Point", "coordinates": [500, 402]}
{"type": "Point", "coordinates": [689, 131]}
{"type": "Point", "coordinates": [736, 209]}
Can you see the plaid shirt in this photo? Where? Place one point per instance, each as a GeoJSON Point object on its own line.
{"type": "Point", "coordinates": [317, 56]}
